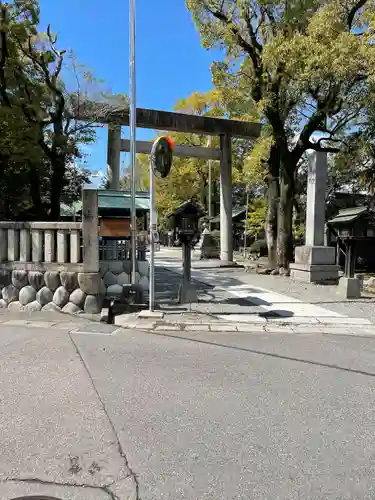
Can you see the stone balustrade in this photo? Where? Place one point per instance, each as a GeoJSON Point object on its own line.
{"type": "Point", "coordinates": [41, 245]}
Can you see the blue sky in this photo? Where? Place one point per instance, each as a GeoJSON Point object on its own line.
{"type": "Point", "coordinates": [170, 62]}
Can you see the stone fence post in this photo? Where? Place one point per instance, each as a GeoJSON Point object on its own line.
{"type": "Point", "coordinates": [90, 281]}
{"type": "Point", "coordinates": [90, 228]}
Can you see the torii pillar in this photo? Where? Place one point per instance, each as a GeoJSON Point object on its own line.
{"type": "Point", "coordinates": [226, 227]}
{"type": "Point", "coordinates": [113, 156]}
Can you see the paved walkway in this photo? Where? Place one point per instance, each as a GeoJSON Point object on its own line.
{"type": "Point", "coordinates": [265, 303]}
{"type": "Point", "coordinates": [232, 300]}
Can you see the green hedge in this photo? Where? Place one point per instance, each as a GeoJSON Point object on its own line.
{"type": "Point", "coordinates": [259, 247]}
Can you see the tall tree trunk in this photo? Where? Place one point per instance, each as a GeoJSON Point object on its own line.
{"type": "Point", "coordinates": [58, 173]}
{"type": "Point", "coordinates": [38, 210]}
{"type": "Point", "coordinates": [272, 199]}
{"type": "Point", "coordinates": [285, 218]}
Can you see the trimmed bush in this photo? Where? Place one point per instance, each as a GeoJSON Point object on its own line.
{"type": "Point", "coordinates": [259, 247]}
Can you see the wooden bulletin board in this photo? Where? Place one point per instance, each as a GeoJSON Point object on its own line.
{"type": "Point", "coordinates": [115, 228]}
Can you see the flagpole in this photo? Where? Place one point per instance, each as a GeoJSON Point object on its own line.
{"type": "Point", "coordinates": [133, 139]}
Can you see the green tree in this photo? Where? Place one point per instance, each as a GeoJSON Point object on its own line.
{"type": "Point", "coordinates": [32, 90]}
{"type": "Point", "coordinates": [306, 67]}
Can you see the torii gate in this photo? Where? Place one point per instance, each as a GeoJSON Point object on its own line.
{"type": "Point", "coordinates": [116, 117]}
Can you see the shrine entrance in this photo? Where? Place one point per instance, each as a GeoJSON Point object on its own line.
{"type": "Point", "coordinates": [115, 117]}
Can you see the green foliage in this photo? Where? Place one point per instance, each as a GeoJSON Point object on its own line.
{"type": "Point", "coordinates": [259, 247]}
{"type": "Point", "coordinates": [257, 212]}
{"type": "Point", "coordinates": [39, 140]}
{"type": "Point", "coordinates": [304, 69]}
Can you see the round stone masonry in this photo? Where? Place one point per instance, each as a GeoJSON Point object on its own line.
{"type": "Point", "coordinates": [109, 279]}
{"type": "Point", "coordinates": [78, 297]}
{"type": "Point", "coordinates": [20, 278]}
{"type": "Point", "coordinates": [33, 306]}
{"type": "Point", "coordinates": [27, 294]}
{"type": "Point", "coordinates": [70, 292]}
{"type": "Point", "coordinates": [89, 283]}
{"type": "Point", "coordinates": [44, 296]}
{"type": "Point", "coordinates": [52, 280]}
{"type": "Point", "coordinates": [5, 277]}
{"type": "Point", "coordinates": [69, 280]}
{"type": "Point", "coordinates": [10, 293]}
{"type": "Point", "coordinates": [36, 279]}
{"type": "Point", "coordinates": [61, 297]}
{"type": "Point", "coordinates": [143, 267]}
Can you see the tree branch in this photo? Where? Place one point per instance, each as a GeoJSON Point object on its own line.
{"type": "Point", "coordinates": [354, 10]}
{"type": "Point", "coordinates": [249, 48]}
{"type": "Point", "coordinates": [3, 56]}
{"type": "Point", "coordinates": [317, 146]}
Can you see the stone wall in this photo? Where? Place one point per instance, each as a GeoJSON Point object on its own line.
{"type": "Point", "coordinates": [115, 274]}
{"type": "Point", "coordinates": [70, 292]}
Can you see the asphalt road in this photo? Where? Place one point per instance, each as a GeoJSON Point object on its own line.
{"type": "Point", "coordinates": [212, 416]}
{"type": "Point", "coordinates": [241, 416]}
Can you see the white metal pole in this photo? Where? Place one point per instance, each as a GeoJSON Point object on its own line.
{"type": "Point", "coordinates": [152, 238]}
{"type": "Point", "coordinates": [133, 139]}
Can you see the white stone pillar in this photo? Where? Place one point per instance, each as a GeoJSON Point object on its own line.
{"type": "Point", "coordinates": [113, 156]}
{"type": "Point", "coordinates": [13, 245]}
{"type": "Point", "coordinates": [315, 262]}
{"type": "Point", "coordinates": [36, 245]}
{"type": "Point", "coordinates": [226, 232]}
{"type": "Point", "coordinates": [62, 247]}
{"type": "Point", "coordinates": [316, 199]}
{"type": "Point", "coordinates": [25, 245]}
{"type": "Point", "coordinates": [49, 245]}
{"type": "Point", "coordinates": [90, 225]}
{"type": "Point", "coordinates": [74, 246]}
{"type": "Point", "coordinates": [3, 245]}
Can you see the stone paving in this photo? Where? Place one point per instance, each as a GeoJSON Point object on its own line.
{"type": "Point", "coordinates": [294, 292]}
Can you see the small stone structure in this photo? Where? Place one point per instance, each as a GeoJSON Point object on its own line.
{"type": "Point", "coordinates": [314, 262]}
{"type": "Point", "coordinates": [55, 265]}
{"type": "Point", "coordinates": [208, 246]}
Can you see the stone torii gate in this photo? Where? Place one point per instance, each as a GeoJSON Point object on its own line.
{"type": "Point", "coordinates": [116, 117]}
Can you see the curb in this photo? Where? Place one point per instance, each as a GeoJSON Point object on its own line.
{"type": "Point", "coordinates": [159, 327]}
{"type": "Point", "coordinates": [272, 327]}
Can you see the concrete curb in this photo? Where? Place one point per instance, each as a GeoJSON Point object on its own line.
{"type": "Point", "coordinates": [95, 328]}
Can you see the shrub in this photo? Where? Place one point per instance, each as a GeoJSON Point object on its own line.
{"type": "Point", "coordinates": [259, 247]}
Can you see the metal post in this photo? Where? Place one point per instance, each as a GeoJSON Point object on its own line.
{"type": "Point", "coordinates": [152, 238]}
{"type": "Point", "coordinates": [246, 221]}
{"type": "Point", "coordinates": [186, 262]}
{"type": "Point", "coordinates": [132, 120]}
{"type": "Point", "coordinates": [209, 145]}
